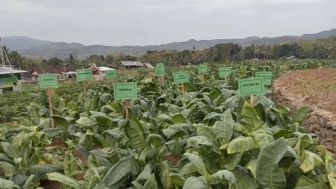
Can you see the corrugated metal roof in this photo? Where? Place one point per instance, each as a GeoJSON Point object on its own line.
{"type": "Point", "coordinates": [149, 65]}
{"type": "Point", "coordinates": [104, 68]}
{"type": "Point", "coordinates": [8, 70]}
{"type": "Point", "coordinates": [132, 63]}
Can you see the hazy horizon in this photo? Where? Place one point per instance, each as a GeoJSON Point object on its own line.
{"type": "Point", "coordinates": [154, 22]}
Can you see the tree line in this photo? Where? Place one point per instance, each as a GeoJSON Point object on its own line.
{"type": "Point", "coordinates": [314, 49]}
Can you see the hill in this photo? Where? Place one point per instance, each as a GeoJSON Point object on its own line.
{"type": "Point", "coordinates": [45, 49]}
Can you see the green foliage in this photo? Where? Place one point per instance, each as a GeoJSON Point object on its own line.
{"type": "Point", "coordinates": [208, 137]}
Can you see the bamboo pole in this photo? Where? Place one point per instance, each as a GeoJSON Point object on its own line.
{"type": "Point", "coordinates": [84, 87]}
{"type": "Point", "coordinates": [50, 108]}
{"type": "Point", "coordinates": [161, 83]}
{"type": "Point", "coordinates": [251, 100]}
{"type": "Point", "coordinates": [126, 108]}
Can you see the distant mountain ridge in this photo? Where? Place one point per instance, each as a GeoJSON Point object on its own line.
{"type": "Point", "coordinates": [46, 49]}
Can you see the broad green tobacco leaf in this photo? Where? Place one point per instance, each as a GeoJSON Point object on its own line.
{"type": "Point", "coordinates": [63, 179]}
{"type": "Point", "coordinates": [305, 182]}
{"type": "Point", "coordinates": [41, 170]}
{"type": "Point", "coordinates": [330, 165]}
{"type": "Point", "coordinates": [7, 168]}
{"type": "Point", "coordinates": [164, 173]}
{"type": "Point", "coordinates": [268, 172]}
{"type": "Point", "coordinates": [309, 161]}
{"type": "Point", "coordinates": [151, 183]}
{"type": "Point", "coordinates": [86, 122]}
{"type": "Point", "coordinates": [198, 163]}
{"type": "Point", "coordinates": [176, 179]}
{"type": "Point", "coordinates": [136, 135]}
{"type": "Point", "coordinates": [262, 137]}
{"type": "Point", "coordinates": [195, 183]}
{"type": "Point", "coordinates": [241, 144]}
{"type": "Point", "coordinates": [178, 118]}
{"type": "Point", "coordinates": [178, 130]}
{"type": "Point", "coordinates": [155, 139]}
{"type": "Point", "coordinates": [300, 114]}
{"type": "Point", "coordinates": [243, 181]}
{"type": "Point", "coordinates": [126, 167]}
{"type": "Point", "coordinates": [61, 121]}
{"type": "Point", "coordinates": [31, 183]}
{"type": "Point", "coordinates": [250, 119]}
{"type": "Point", "coordinates": [225, 127]}
{"type": "Point", "coordinates": [231, 161]}
{"type": "Point", "coordinates": [103, 120]}
{"type": "Point", "coordinates": [222, 176]}
{"type": "Point", "coordinates": [199, 141]}
{"type": "Point", "coordinates": [8, 184]}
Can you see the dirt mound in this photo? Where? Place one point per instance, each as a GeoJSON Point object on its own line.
{"type": "Point", "coordinates": [316, 88]}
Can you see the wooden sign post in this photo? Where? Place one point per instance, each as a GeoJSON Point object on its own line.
{"type": "Point", "coordinates": [84, 75]}
{"type": "Point", "coordinates": [181, 78]}
{"type": "Point", "coordinates": [160, 72]}
{"type": "Point", "coordinates": [251, 87]}
{"type": "Point", "coordinates": [202, 70]}
{"type": "Point", "coordinates": [267, 76]}
{"type": "Point", "coordinates": [49, 81]}
{"type": "Point", "coordinates": [224, 72]}
{"type": "Point", "coordinates": [111, 75]}
{"type": "Point", "coordinates": [125, 91]}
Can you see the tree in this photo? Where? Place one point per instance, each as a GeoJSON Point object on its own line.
{"type": "Point", "coordinates": [71, 62]}
{"type": "Point", "coordinates": [248, 52]}
{"type": "Point", "coordinates": [15, 59]}
{"type": "Point", "coordinates": [55, 61]}
{"type": "Point", "coordinates": [226, 51]}
{"type": "Point", "coordinates": [97, 59]}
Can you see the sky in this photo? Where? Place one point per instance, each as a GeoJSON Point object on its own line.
{"type": "Point", "coordinates": [145, 22]}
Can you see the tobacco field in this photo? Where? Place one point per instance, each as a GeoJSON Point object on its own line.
{"type": "Point", "coordinates": [206, 138]}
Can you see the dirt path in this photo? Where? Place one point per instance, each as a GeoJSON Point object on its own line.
{"type": "Point", "coordinates": [316, 88]}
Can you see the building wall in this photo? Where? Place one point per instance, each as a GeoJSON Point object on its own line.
{"type": "Point", "coordinates": [7, 83]}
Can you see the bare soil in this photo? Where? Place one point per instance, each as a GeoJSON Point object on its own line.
{"type": "Point", "coordinates": [316, 88]}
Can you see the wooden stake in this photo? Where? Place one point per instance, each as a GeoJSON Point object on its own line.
{"type": "Point", "coordinates": [161, 83]}
{"type": "Point", "coordinates": [112, 81]}
{"type": "Point", "coordinates": [182, 87]}
{"type": "Point", "coordinates": [126, 108]}
{"type": "Point", "coordinates": [252, 99]}
{"type": "Point", "coordinates": [84, 87]}
{"type": "Point", "coordinates": [50, 108]}
{"type": "Point", "coordinates": [162, 79]}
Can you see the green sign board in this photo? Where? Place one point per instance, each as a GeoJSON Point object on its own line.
{"type": "Point", "coordinates": [181, 77]}
{"type": "Point", "coordinates": [202, 68]}
{"type": "Point", "coordinates": [251, 86]}
{"type": "Point", "coordinates": [124, 91]}
{"type": "Point", "coordinates": [267, 76]}
{"type": "Point", "coordinates": [48, 81]}
{"type": "Point", "coordinates": [224, 72]}
{"type": "Point", "coordinates": [111, 74]}
{"type": "Point", "coordinates": [84, 75]}
{"type": "Point", "coordinates": [159, 69]}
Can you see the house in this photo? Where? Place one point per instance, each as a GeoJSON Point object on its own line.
{"type": "Point", "coordinates": [30, 77]}
{"type": "Point", "coordinates": [94, 69]}
{"type": "Point", "coordinates": [132, 64]}
{"type": "Point", "coordinates": [9, 78]}
{"type": "Point", "coordinates": [99, 71]}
